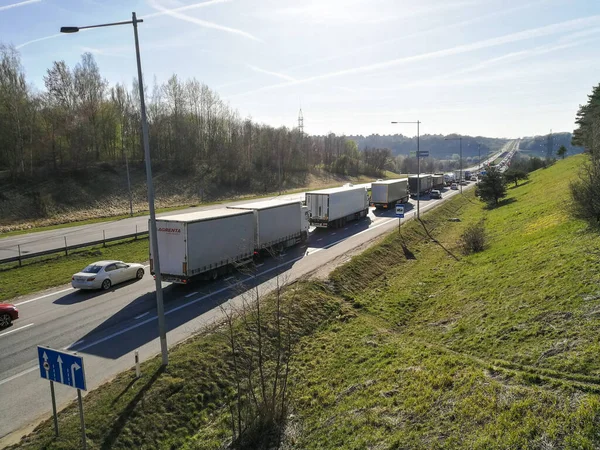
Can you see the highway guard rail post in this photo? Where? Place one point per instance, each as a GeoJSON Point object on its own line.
{"type": "Point", "coordinates": [66, 248]}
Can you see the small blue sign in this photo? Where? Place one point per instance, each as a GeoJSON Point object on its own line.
{"type": "Point", "coordinates": [61, 367]}
{"type": "Point", "coordinates": [424, 154]}
{"type": "Point", "coordinates": [400, 211]}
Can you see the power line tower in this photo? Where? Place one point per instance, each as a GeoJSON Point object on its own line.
{"type": "Point", "coordinates": [550, 146]}
{"type": "Point", "coordinates": [301, 122]}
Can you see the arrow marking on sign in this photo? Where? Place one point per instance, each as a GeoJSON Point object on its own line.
{"type": "Point", "coordinates": [59, 360]}
{"type": "Point", "coordinates": [74, 367]}
{"type": "Point", "coordinates": [46, 366]}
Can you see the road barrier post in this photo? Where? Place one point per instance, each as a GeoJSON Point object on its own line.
{"type": "Point", "coordinates": [66, 248]}
{"type": "Point", "coordinates": [19, 248]}
{"type": "Point", "coordinates": [138, 373]}
{"type": "Point", "coordinates": [136, 232]}
{"type": "Point", "coordinates": [103, 238]}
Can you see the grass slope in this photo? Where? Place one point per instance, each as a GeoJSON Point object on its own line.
{"type": "Point", "coordinates": [410, 345]}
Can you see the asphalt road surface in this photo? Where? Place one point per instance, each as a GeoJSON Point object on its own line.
{"type": "Point", "coordinates": [107, 327]}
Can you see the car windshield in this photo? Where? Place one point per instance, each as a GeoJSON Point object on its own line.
{"type": "Point", "coordinates": [92, 269]}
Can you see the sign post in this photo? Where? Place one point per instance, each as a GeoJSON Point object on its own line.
{"type": "Point", "coordinates": [399, 215]}
{"type": "Point", "coordinates": [64, 368]}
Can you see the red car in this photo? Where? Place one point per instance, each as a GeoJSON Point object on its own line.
{"type": "Point", "coordinates": [8, 313]}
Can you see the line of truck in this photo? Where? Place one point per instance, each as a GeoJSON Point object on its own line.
{"type": "Point", "coordinates": [209, 244]}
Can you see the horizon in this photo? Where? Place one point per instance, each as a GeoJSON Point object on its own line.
{"type": "Point", "coordinates": [468, 67]}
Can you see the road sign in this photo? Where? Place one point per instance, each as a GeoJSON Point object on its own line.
{"type": "Point", "coordinates": [61, 367]}
{"type": "Point", "coordinates": [400, 211]}
{"type": "Point", "coordinates": [423, 154]}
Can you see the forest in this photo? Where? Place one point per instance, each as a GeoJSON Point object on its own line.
{"type": "Point", "coordinates": [79, 122]}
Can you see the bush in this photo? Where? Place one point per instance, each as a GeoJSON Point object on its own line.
{"type": "Point", "coordinates": [584, 192]}
{"type": "Point", "coordinates": [474, 239]}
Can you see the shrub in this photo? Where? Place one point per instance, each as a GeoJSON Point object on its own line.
{"type": "Point", "coordinates": [474, 239]}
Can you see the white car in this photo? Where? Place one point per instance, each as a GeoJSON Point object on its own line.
{"type": "Point", "coordinates": [104, 274]}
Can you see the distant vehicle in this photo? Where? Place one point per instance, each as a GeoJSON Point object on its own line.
{"type": "Point", "coordinates": [385, 194]}
{"type": "Point", "coordinates": [468, 174]}
{"type": "Point", "coordinates": [463, 182]}
{"type": "Point", "coordinates": [454, 186]}
{"type": "Point", "coordinates": [435, 194]}
{"type": "Point", "coordinates": [104, 274]}
{"type": "Point", "coordinates": [473, 178]}
{"type": "Point", "coordinates": [8, 313]}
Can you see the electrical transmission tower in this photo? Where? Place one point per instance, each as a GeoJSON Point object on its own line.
{"type": "Point", "coordinates": [300, 122]}
{"type": "Point", "coordinates": [550, 146]}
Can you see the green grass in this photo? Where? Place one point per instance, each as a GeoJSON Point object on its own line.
{"type": "Point", "coordinates": [50, 271]}
{"type": "Point", "coordinates": [410, 345]}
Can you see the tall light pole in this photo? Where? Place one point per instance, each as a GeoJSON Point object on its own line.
{"type": "Point", "coordinates": [461, 165]}
{"type": "Point", "coordinates": [418, 123]}
{"type": "Point", "coordinates": [153, 236]}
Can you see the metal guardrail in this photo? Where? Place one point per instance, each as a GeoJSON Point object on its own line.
{"type": "Point", "coordinates": [66, 248]}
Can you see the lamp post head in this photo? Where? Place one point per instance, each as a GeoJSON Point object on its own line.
{"type": "Point", "coordinates": [69, 29]}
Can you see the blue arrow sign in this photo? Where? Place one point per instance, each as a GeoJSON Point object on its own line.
{"type": "Point", "coordinates": [61, 367]}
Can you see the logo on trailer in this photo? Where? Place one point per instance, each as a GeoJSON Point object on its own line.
{"type": "Point", "coordinates": [170, 230]}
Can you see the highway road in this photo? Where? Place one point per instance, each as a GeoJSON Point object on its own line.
{"type": "Point", "coordinates": [52, 239]}
{"type": "Point", "coordinates": [107, 327]}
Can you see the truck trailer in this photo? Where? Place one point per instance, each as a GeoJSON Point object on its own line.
{"type": "Point", "coordinates": [204, 244]}
{"type": "Point", "coordinates": [334, 207]}
{"type": "Point", "coordinates": [438, 180]}
{"type": "Point", "coordinates": [426, 183]}
{"type": "Point", "coordinates": [277, 223]}
{"type": "Point", "coordinates": [385, 194]}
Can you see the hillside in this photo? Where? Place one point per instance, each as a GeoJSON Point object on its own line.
{"type": "Point", "coordinates": [538, 145]}
{"type": "Point", "coordinates": [101, 191]}
{"type": "Point", "coordinates": [408, 345]}
{"type": "Point", "coordinates": [435, 144]}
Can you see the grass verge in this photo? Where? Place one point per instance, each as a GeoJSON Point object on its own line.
{"type": "Point", "coordinates": [411, 345]}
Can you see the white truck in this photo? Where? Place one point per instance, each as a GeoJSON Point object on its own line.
{"type": "Point", "coordinates": [277, 223]}
{"type": "Point", "coordinates": [385, 194]}
{"type": "Point", "coordinates": [334, 207]}
{"type": "Point", "coordinates": [438, 180]}
{"type": "Point", "coordinates": [204, 244]}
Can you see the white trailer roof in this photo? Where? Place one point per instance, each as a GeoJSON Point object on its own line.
{"type": "Point", "coordinates": [337, 189]}
{"type": "Point", "coordinates": [397, 180]}
{"type": "Point", "coordinates": [199, 216]}
{"type": "Point", "coordinates": [267, 204]}
{"type": "Point", "coordinates": [423, 175]}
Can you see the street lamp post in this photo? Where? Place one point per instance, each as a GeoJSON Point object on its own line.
{"type": "Point", "coordinates": [418, 123]}
{"type": "Point", "coordinates": [461, 164]}
{"type": "Point", "coordinates": [153, 236]}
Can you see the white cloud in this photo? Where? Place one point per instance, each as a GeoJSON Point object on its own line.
{"type": "Point", "coordinates": [268, 72]}
{"type": "Point", "coordinates": [16, 5]}
{"type": "Point", "coordinates": [575, 24]}
{"type": "Point", "coordinates": [203, 23]}
{"type": "Point", "coordinates": [186, 8]}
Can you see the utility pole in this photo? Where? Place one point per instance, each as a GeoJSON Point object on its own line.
{"type": "Point", "coordinates": [418, 122]}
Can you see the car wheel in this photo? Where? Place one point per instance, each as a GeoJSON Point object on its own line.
{"type": "Point", "coordinates": [5, 320]}
{"type": "Point", "coordinates": [139, 274]}
{"type": "Point", "coordinates": [106, 284]}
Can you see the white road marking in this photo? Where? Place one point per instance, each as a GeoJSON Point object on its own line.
{"type": "Point", "coordinates": [355, 224]}
{"type": "Point", "coordinates": [44, 296]}
{"type": "Point", "coordinates": [333, 234]}
{"type": "Point", "coordinates": [260, 265]}
{"type": "Point", "coordinates": [143, 314]}
{"type": "Point", "coordinates": [74, 344]}
{"type": "Point", "coordinates": [226, 279]}
{"type": "Point", "coordinates": [320, 239]}
{"type": "Point", "coordinates": [191, 294]}
{"type": "Point", "coordinates": [16, 329]}
{"type": "Point", "coordinates": [20, 374]}
{"type": "Point", "coordinates": [345, 228]}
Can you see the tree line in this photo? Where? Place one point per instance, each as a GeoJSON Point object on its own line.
{"type": "Point", "coordinates": [79, 121]}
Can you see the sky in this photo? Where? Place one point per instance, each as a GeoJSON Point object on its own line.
{"type": "Point", "coordinates": [497, 68]}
